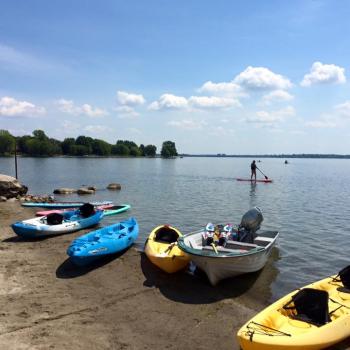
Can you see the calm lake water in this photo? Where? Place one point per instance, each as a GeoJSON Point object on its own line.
{"type": "Point", "coordinates": [308, 202]}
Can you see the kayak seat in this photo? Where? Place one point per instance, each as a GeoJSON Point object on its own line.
{"type": "Point", "coordinates": [54, 219]}
{"type": "Point", "coordinates": [166, 235]}
{"type": "Point", "coordinates": [86, 210]}
{"type": "Point", "coordinates": [310, 305]}
{"type": "Point", "coordinates": [344, 277]}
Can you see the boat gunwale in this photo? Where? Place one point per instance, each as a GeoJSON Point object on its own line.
{"type": "Point", "coordinates": [199, 252]}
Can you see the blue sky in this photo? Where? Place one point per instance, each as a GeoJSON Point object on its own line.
{"type": "Point", "coordinates": [235, 77]}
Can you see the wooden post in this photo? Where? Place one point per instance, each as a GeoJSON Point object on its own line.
{"type": "Point", "coordinates": [16, 158]}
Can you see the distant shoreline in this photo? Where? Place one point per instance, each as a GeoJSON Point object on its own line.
{"type": "Point", "coordinates": [257, 156]}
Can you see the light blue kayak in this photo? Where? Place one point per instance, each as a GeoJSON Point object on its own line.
{"type": "Point", "coordinates": [56, 224]}
{"type": "Point", "coordinates": [61, 205]}
{"type": "Point", "coordinates": [116, 209]}
{"type": "Point", "coordinates": [105, 241]}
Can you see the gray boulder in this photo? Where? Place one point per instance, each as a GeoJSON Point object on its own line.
{"type": "Point", "coordinates": [114, 186]}
{"type": "Point", "coordinates": [3, 199]}
{"type": "Point", "coordinates": [64, 190]}
{"type": "Point", "coordinates": [10, 187]}
{"type": "Point", "coordinates": [85, 190]}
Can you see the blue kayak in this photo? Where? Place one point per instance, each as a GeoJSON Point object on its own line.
{"type": "Point", "coordinates": [56, 224]}
{"type": "Point", "coordinates": [61, 205]}
{"type": "Point", "coordinates": [105, 241]}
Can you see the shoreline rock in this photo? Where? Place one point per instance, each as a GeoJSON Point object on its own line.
{"type": "Point", "coordinates": [64, 190]}
{"type": "Point", "coordinates": [10, 187]}
{"type": "Point", "coordinates": [86, 190]}
{"type": "Point", "coordinates": [114, 186]}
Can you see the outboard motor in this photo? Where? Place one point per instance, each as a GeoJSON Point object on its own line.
{"type": "Point", "coordinates": [250, 223]}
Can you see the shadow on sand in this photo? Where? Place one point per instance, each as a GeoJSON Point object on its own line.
{"type": "Point", "coordinates": [18, 239]}
{"type": "Point", "coordinates": [193, 287]}
{"type": "Point", "coordinates": [69, 270]}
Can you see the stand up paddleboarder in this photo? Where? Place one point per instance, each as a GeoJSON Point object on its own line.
{"type": "Point", "coordinates": [253, 169]}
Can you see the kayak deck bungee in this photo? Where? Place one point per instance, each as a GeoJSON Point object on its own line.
{"type": "Point", "coordinates": [61, 205]}
{"type": "Point", "coordinates": [258, 180]}
{"type": "Point", "coordinates": [286, 324]}
{"type": "Point", "coordinates": [162, 250]}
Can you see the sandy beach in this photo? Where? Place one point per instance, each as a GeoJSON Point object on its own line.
{"type": "Point", "coordinates": [120, 303]}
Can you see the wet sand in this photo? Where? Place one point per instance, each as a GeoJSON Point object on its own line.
{"type": "Point", "coordinates": [120, 303]}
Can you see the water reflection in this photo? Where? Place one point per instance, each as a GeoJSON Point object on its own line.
{"type": "Point", "coordinates": [252, 194]}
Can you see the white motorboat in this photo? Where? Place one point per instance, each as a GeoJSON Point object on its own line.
{"type": "Point", "coordinates": [249, 251]}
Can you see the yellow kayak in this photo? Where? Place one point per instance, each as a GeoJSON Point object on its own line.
{"type": "Point", "coordinates": [308, 318]}
{"type": "Point", "coordinates": [161, 248]}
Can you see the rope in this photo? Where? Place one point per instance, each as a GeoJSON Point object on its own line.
{"type": "Point", "coordinates": [263, 330]}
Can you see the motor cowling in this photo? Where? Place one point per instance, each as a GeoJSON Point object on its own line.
{"type": "Point", "coordinates": [252, 220]}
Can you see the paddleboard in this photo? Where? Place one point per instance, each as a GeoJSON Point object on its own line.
{"type": "Point", "coordinates": [259, 180]}
{"type": "Point", "coordinates": [59, 205]}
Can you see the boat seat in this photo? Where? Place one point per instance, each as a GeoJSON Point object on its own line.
{"type": "Point", "coordinates": [240, 245]}
{"type": "Point", "coordinates": [218, 248]}
{"type": "Point", "coordinates": [262, 238]}
{"type": "Point", "coordinates": [223, 249]}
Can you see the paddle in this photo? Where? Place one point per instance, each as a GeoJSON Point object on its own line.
{"type": "Point", "coordinates": [266, 178]}
{"type": "Point", "coordinates": [215, 250]}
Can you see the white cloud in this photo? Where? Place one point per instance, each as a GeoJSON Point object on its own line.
{"type": "Point", "coordinates": [92, 112]}
{"type": "Point", "coordinates": [10, 107]}
{"type": "Point", "coordinates": [135, 131]}
{"type": "Point", "coordinates": [188, 124]}
{"type": "Point", "coordinates": [220, 131]}
{"type": "Point", "coordinates": [272, 117]}
{"type": "Point", "coordinates": [321, 124]}
{"type": "Point", "coordinates": [169, 101]}
{"type": "Point", "coordinates": [69, 107]}
{"type": "Point", "coordinates": [95, 128]}
{"type": "Point", "coordinates": [126, 98]}
{"type": "Point", "coordinates": [276, 96]}
{"type": "Point", "coordinates": [126, 112]}
{"type": "Point", "coordinates": [229, 88]}
{"type": "Point", "coordinates": [344, 109]}
{"type": "Point", "coordinates": [70, 126]}
{"type": "Point", "coordinates": [213, 102]}
{"type": "Point", "coordinates": [261, 78]}
{"type": "Point", "coordinates": [324, 74]}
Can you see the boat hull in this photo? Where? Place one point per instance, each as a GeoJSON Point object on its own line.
{"type": "Point", "coordinates": [103, 242]}
{"type": "Point", "coordinates": [34, 228]}
{"type": "Point", "coordinates": [218, 269]}
{"type": "Point", "coordinates": [236, 258]}
{"type": "Point", "coordinates": [296, 334]}
{"type": "Point", "coordinates": [167, 256]}
{"type": "Point", "coordinates": [117, 209]}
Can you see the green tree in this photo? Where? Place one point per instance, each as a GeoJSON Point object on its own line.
{"type": "Point", "coordinates": [168, 149]}
{"type": "Point", "coordinates": [79, 150]}
{"type": "Point", "coordinates": [120, 150]}
{"type": "Point", "coordinates": [85, 141]}
{"type": "Point", "coordinates": [67, 146]}
{"type": "Point", "coordinates": [101, 148]}
{"type": "Point", "coordinates": [7, 142]}
{"type": "Point", "coordinates": [40, 135]}
{"type": "Point", "coordinates": [142, 150]}
{"type": "Point", "coordinates": [135, 151]}
{"type": "Point", "coordinates": [22, 142]}
{"type": "Point", "coordinates": [150, 150]}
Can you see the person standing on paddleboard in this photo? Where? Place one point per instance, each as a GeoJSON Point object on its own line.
{"type": "Point", "coordinates": [253, 169]}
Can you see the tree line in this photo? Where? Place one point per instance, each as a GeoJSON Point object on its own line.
{"type": "Point", "coordinates": [39, 144]}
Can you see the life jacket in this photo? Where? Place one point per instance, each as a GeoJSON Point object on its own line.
{"type": "Point", "coordinates": [209, 231]}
